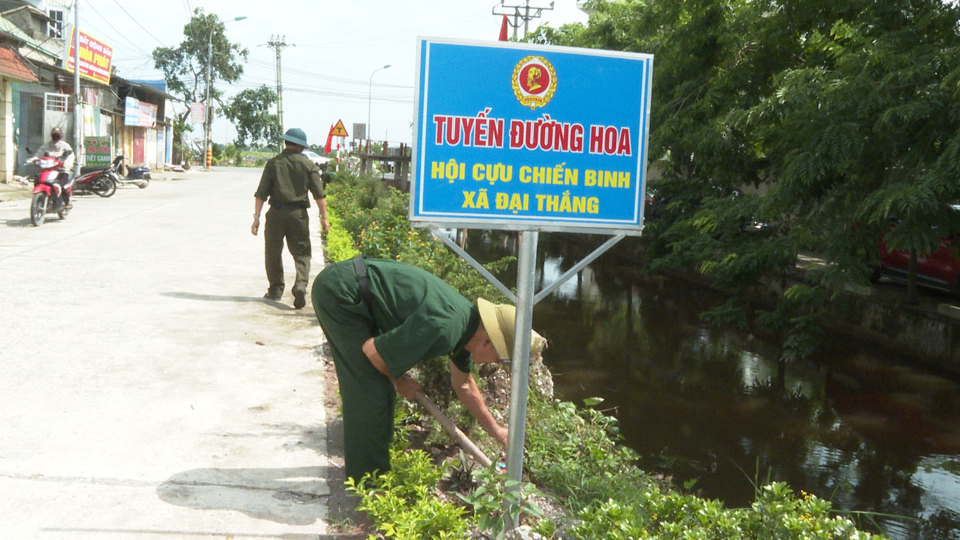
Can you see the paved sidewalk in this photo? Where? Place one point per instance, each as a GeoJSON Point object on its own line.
{"type": "Point", "coordinates": [147, 390]}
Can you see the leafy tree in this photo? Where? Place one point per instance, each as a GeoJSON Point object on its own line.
{"type": "Point", "coordinates": [822, 119]}
{"type": "Point", "coordinates": [227, 154]}
{"type": "Point", "coordinates": [869, 129]}
{"type": "Point", "coordinates": [250, 113]}
{"type": "Point", "coordinates": [185, 67]}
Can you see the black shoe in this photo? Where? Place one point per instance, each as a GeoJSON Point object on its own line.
{"type": "Point", "coordinates": [298, 300]}
{"type": "Point", "coordinates": [273, 295]}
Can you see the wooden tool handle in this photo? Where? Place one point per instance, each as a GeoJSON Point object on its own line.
{"type": "Point", "coordinates": [453, 430]}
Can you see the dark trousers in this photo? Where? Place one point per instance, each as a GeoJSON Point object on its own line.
{"type": "Point", "coordinates": [292, 225]}
{"type": "Point", "coordinates": [368, 396]}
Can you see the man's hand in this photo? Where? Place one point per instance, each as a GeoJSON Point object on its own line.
{"type": "Point", "coordinates": [324, 223]}
{"type": "Point", "coordinates": [256, 225]}
{"type": "Point", "coordinates": [501, 434]}
{"type": "Point", "coordinates": [407, 387]}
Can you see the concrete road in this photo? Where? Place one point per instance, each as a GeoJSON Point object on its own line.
{"type": "Point", "coordinates": [147, 390]}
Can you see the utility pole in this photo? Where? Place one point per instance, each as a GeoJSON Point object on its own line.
{"type": "Point", "coordinates": [208, 105]}
{"type": "Point", "coordinates": [77, 106]}
{"type": "Point", "coordinates": [279, 43]}
{"type": "Point", "coordinates": [524, 13]}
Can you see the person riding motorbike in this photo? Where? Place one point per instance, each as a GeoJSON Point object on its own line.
{"type": "Point", "coordinates": [58, 148]}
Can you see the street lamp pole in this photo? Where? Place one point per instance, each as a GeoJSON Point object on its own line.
{"type": "Point", "coordinates": [208, 109]}
{"type": "Point", "coordinates": [370, 100]}
{"type": "Point", "coordinates": [207, 139]}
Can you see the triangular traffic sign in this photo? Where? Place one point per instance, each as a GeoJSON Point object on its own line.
{"type": "Point", "coordinates": [339, 130]}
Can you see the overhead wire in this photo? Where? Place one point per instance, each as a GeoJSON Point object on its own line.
{"type": "Point", "coordinates": [294, 71]}
{"type": "Point", "coordinates": [254, 81]}
{"type": "Point", "coordinates": [162, 44]}
{"type": "Point", "coordinates": [110, 34]}
{"type": "Point", "coordinates": [387, 38]}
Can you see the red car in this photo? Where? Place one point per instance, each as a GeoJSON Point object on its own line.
{"type": "Point", "coordinates": [938, 270]}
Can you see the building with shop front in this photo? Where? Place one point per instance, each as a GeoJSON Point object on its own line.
{"type": "Point", "coordinates": [37, 94]}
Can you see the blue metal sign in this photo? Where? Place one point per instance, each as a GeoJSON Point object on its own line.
{"type": "Point", "coordinates": [515, 136]}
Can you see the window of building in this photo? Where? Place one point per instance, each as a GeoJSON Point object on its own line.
{"type": "Point", "coordinates": [57, 102]}
{"type": "Point", "coordinates": [55, 27]}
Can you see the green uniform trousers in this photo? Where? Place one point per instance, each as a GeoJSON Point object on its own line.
{"type": "Point", "coordinates": [368, 396]}
{"type": "Point", "coordinates": [292, 225]}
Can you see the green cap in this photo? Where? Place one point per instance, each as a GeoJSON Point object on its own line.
{"type": "Point", "coordinates": [296, 136]}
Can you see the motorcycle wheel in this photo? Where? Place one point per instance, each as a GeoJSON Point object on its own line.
{"type": "Point", "coordinates": [38, 209]}
{"type": "Point", "coordinates": [142, 183]}
{"type": "Point", "coordinates": [103, 186]}
{"type": "Point", "coordinates": [63, 212]}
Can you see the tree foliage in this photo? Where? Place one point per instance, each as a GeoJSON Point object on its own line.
{"type": "Point", "coordinates": [250, 113]}
{"type": "Point", "coordinates": [185, 67]}
{"type": "Point", "coordinates": [823, 119]}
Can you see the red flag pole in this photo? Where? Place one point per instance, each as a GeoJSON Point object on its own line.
{"type": "Point", "coordinates": [503, 29]}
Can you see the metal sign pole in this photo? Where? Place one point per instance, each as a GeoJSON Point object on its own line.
{"type": "Point", "coordinates": [520, 374]}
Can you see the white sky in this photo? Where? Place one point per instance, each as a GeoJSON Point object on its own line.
{"type": "Point", "coordinates": [334, 47]}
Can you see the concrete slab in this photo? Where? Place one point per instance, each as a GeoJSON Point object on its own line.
{"type": "Point", "coordinates": [146, 388]}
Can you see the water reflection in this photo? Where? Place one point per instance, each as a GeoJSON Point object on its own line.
{"type": "Point", "coordinates": [717, 408]}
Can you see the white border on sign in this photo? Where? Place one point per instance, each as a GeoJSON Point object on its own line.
{"type": "Point", "coordinates": [577, 225]}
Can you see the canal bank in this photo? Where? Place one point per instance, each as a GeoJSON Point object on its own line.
{"type": "Point", "coordinates": [925, 332]}
{"type": "Point", "coordinates": [861, 423]}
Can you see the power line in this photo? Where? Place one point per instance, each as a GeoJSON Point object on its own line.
{"type": "Point", "coordinates": [348, 96]}
{"type": "Point", "coordinates": [385, 38]}
{"type": "Point", "coordinates": [329, 77]}
{"type": "Point", "coordinates": [162, 44]}
{"type": "Point", "coordinates": [128, 40]}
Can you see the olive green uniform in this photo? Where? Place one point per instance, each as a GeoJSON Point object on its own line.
{"type": "Point", "coordinates": [415, 316]}
{"type": "Point", "coordinates": [286, 181]}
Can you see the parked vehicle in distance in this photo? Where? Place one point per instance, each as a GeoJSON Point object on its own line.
{"type": "Point", "coordinates": [138, 175]}
{"type": "Point", "coordinates": [938, 270]}
{"type": "Point", "coordinates": [99, 179]}
{"type": "Point", "coordinates": [316, 158]}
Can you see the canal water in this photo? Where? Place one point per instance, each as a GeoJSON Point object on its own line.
{"type": "Point", "coordinates": [719, 412]}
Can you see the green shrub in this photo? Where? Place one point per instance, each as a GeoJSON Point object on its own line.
{"type": "Point", "coordinates": [339, 244]}
{"type": "Point", "coordinates": [499, 501]}
{"type": "Point", "coordinates": [375, 217]}
{"type": "Point", "coordinates": [571, 452]}
{"type": "Point", "coordinates": [403, 501]}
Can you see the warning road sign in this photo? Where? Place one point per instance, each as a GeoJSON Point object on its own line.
{"type": "Point", "coordinates": [339, 130]}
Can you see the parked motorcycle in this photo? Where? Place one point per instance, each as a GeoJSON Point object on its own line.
{"type": "Point", "coordinates": [138, 176]}
{"type": "Point", "coordinates": [99, 179]}
{"type": "Point", "coordinates": [47, 192]}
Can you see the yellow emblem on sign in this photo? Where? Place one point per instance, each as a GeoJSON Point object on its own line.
{"type": "Point", "coordinates": [534, 81]}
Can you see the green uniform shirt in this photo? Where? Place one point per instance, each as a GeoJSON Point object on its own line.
{"type": "Point", "coordinates": [419, 316]}
{"type": "Point", "coordinates": [287, 177]}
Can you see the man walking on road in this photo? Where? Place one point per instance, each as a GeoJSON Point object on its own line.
{"type": "Point", "coordinates": [286, 181]}
{"type": "Point", "coordinates": [382, 318]}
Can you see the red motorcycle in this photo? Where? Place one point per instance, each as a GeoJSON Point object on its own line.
{"type": "Point", "coordinates": [99, 179]}
{"type": "Point", "coordinates": [47, 192]}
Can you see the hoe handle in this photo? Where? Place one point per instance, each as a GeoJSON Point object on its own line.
{"type": "Point", "coordinates": [453, 430]}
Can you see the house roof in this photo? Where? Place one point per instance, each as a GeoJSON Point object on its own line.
{"type": "Point", "coordinates": [144, 87]}
{"type": "Point", "coordinates": [27, 7]}
{"type": "Point", "coordinates": [10, 29]}
{"type": "Point", "coordinates": [12, 66]}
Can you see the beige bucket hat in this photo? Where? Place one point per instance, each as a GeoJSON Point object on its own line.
{"type": "Point", "coordinates": [498, 320]}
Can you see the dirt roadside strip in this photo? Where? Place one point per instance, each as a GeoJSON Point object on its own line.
{"type": "Point", "coordinates": [14, 193]}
